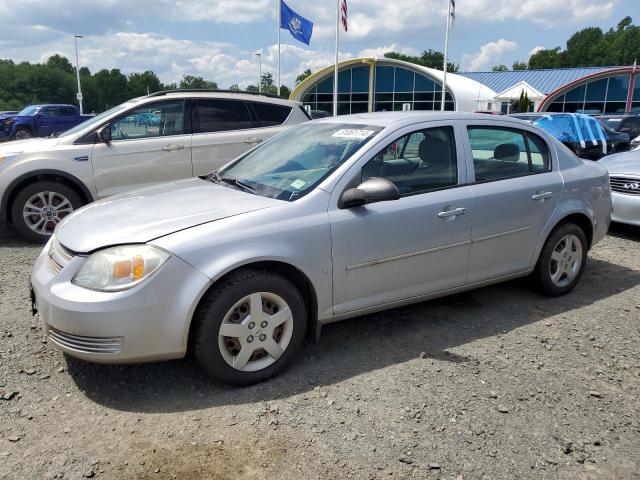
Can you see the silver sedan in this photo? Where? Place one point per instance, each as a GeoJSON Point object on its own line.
{"type": "Point", "coordinates": [330, 220]}
{"type": "Point", "coordinates": [624, 173]}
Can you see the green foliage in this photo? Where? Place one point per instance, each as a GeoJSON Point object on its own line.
{"type": "Point", "coordinates": [524, 103]}
{"type": "Point", "coordinates": [593, 47]}
{"type": "Point", "coordinates": [191, 81]}
{"type": "Point", "coordinates": [303, 76]}
{"type": "Point", "coordinates": [519, 65]}
{"type": "Point", "coordinates": [499, 68]}
{"type": "Point", "coordinates": [429, 58]}
{"type": "Point", "coordinates": [234, 88]}
{"type": "Point", "coordinates": [55, 82]}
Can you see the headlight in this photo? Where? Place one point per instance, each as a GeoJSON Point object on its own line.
{"type": "Point", "coordinates": [7, 157]}
{"type": "Point", "coordinates": [119, 268]}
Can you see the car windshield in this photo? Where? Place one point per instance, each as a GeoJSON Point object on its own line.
{"type": "Point", "coordinates": [95, 120]}
{"type": "Point", "coordinates": [612, 123]}
{"type": "Point", "coordinates": [28, 111]}
{"type": "Point", "coordinates": [293, 163]}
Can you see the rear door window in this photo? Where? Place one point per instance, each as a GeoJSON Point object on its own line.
{"type": "Point", "coordinates": [269, 115]}
{"type": "Point", "coordinates": [500, 153]}
{"type": "Point", "coordinates": [217, 115]}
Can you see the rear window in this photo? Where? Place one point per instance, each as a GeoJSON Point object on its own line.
{"type": "Point", "coordinates": [221, 115]}
{"type": "Point", "coordinates": [270, 115]}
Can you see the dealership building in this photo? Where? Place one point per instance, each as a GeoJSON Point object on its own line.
{"type": "Point", "coordinates": [384, 84]}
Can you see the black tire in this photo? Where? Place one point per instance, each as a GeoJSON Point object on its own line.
{"type": "Point", "coordinates": [218, 302]}
{"type": "Point", "coordinates": [17, 207]}
{"type": "Point", "coordinates": [544, 267]}
{"type": "Point", "coordinates": [22, 134]}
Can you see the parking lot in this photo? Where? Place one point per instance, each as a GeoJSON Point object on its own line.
{"type": "Point", "coordinates": [495, 383]}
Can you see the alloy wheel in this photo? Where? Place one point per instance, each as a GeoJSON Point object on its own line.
{"type": "Point", "coordinates": [44, 210]}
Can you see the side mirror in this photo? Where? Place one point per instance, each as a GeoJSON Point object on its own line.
{"type": "Point", "coordinates": [370, 191]}
{"type": "Point", "coordinates": [104, 134]}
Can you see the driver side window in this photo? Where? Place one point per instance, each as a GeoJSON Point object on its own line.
{"type": "Point", "coordinates": [417, 162]}
{"type": "Point", "coordinates": [155, 120]}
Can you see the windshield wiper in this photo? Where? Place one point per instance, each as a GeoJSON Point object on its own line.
{"type": "Point", "coordinates": [215, 177]}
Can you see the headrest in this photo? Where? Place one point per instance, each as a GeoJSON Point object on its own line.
{"type": "Point", "coordinates": [508, 152]}
{"type": "Point", "coordinates": [434, 151]}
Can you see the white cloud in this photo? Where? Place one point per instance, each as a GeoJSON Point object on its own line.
{"type": "Point", "coordinates": [535, 50]}
{"type": "Point", "coordinates": [548, 13]}
{"type": "Point", "coordinates": [489, 54]}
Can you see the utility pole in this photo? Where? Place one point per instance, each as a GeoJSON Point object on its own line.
{"type": "Point", "coordinates": [79, 96]}
{"type": "Point", "coordinates": [259, 55]}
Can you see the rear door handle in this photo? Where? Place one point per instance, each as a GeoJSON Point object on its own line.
{"type": "Point", "coordinates": [172, 147]}
{"type": "Point", "coordinates": [253, 140]}
{"type": "Point", "coordinates": [452, 213]}
{"type": "Point", "coordinates": [542, 196]}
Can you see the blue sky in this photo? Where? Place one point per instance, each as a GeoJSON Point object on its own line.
{"type": "Point", "coordinates": [216, 39]}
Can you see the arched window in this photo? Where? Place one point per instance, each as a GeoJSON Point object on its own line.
{"type": "Point", "coordinates": [605, 95]}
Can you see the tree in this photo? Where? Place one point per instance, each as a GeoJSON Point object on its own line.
{"type": "Point", "coordinates": [303, 76]}
{"type": "Point", "coordinates": [60, 62]}
{"type": "Point", "coordinates": [140, 84]}
{"type": "Point", "coordinates": [517, 65]}
{"type": "Point", "coordinates": [524, 104]}
{"type": "Point", "coordinates": [499, 68]}
{"type": "Point", "coordinates": [234, 88]}
{"type": "Point", "coordinates": [285, 92]}
{"type": "Point", "coordinates": [547, 58]}
{"type": "Point", "coordinates": [191, 81]}
{"type": "Point", "coordinates": [429, 58]}
{"type": "Point", "coordinates": [252, 88]}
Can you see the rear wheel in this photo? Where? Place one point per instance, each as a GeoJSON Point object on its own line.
{"type": "Point", "coordinates": [249, 327]}
{"type": "Point", "coordinates": [23, 134]}
{"type": "Point", "coordinates": [562, 260]}
{"type": "Point", "coordinates": [40, 206]}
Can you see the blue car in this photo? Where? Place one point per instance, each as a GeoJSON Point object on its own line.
{"type": "Point", "coordinates": [40, 121]}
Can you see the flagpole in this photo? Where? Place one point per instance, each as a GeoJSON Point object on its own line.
{"type": "Point", "coordinates": [446, 51]}
{"type": "Point", "coordinates": [335, 73]}
{"type": "Point", "coordinates": [279, 24]}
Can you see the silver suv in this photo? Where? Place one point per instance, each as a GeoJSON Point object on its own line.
{"type": "Point", "coordinates": [161, 137]}
{"type": "Point", "coordinates": [329, 220]}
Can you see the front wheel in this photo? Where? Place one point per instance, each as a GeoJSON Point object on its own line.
{"type": "Point", "coordinates": [40, 206]}
{"type": "Point", "coordinates": [248, 328]}
{"type": "Point", "coordinates": [23, 134]}
{"type": "Point", "coordinates": [562, 260]}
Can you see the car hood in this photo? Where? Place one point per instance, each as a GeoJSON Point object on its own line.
{"type": "Point", "coordinates": [143, 215]}
{"type": "Point", "coordinates": [626, 163]}
{"type": "Point", "coordinates": [28, 146]}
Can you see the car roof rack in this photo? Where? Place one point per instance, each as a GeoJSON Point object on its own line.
{"type": "Point", "coordinates": [211, 90]}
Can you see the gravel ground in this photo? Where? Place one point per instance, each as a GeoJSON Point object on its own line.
{"type": "Point", "coordinates": [496, 383]}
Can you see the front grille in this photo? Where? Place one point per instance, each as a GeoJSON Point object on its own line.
{"type": "Point", "coordinates": [626, 185]}
{"type": "Point", "coordinates": [85, 344]}
{"type": "Point", "coordinates": [58, 257]}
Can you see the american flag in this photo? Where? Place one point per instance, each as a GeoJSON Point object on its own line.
{"type": "Point", "coordinates": [343, 8]}
{"type": "Point", "coordinates": [452, 9]}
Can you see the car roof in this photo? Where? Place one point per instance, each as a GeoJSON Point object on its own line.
{"type": "Point", "coordinates": [198, 93]}
{"type": "Point", "coordinates": [387, 119]}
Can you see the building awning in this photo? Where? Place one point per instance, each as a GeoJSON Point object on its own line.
{"type": "Point", "coordinates": [514, 92]}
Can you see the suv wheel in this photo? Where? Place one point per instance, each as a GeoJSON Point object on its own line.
{"type": "Point", "coordinates": [248, 328]}
{"type": "Point", "coordinates": [40, 206]}
{"type": "Point", "coordinates": [23, 134]}
{"type": "Point", "coordinates": [562, 260]}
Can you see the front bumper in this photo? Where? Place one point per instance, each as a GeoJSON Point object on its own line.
{"type": "Point", "coordinates": [146, 323]}
{"type": "Point", "coordinates": [626, 208]}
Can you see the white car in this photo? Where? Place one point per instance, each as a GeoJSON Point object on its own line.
{"type": "Point", "coordinates": [162, 137]}
{"type": "Point", "coordinates": [624, 176]}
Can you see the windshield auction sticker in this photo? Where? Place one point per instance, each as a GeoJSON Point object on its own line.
{"type": "Point", "coordinates": [353, 133]}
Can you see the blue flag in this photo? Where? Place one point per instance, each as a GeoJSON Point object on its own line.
{"type": "Point", "coordinates": [300, 27]}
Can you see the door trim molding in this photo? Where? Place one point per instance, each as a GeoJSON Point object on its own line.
{"type": "Point", "coordinates": [496, 235]}
{"type": "Point", "coordinates": [405, 255]}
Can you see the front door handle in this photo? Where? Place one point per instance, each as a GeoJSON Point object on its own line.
{"type": "Point", "coordinates": [452, 213]}
{"type": "Point", "coordinates": [253, 140]}
{"type": "Point", "coordinates": [172, 147]}
{"type": "Point", "coordinates": [542, 196]}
